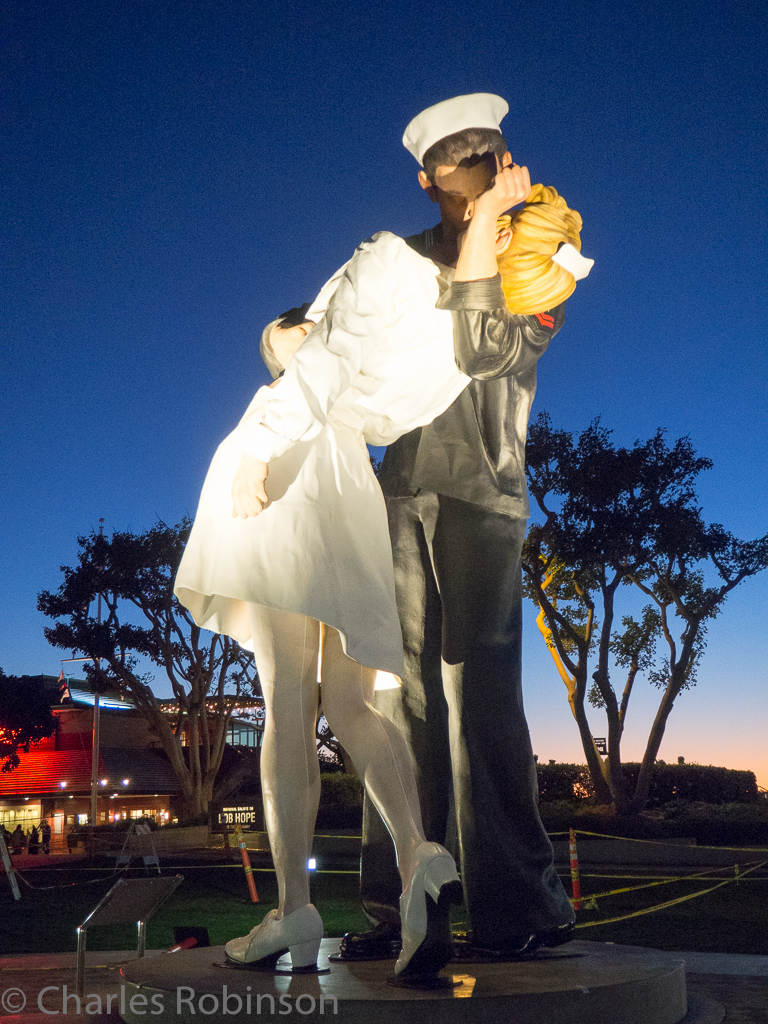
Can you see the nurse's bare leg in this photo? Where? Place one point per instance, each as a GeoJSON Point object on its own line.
{"type": "Point", "coordinates": [427, 871]}
{"type": "Point", "coordinates": [285, 650]}
{"type": "Point", "coordinates": [375, 746]}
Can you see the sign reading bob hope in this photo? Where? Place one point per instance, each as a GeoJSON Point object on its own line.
{"type": "Point", "coordinates": [244, 815]}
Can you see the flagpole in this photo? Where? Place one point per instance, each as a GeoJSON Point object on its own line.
{"type": "Point", "coordinates": [96, 722]}
{"type": "Point", "coordinates": [95, 759]}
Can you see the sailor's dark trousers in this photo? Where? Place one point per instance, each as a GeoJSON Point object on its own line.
{"type": "Point", "coordinates": [458, 582]}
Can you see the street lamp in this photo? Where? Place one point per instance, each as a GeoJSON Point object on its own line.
{"type": "Point", "coordinates": [94, 738]}
{"type": "Point", "coordinates": [96, 718]}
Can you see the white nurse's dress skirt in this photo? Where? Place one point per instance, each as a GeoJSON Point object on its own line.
{"type": "Point", "coordinates": [320, 547]}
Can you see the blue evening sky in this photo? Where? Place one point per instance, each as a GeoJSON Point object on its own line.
{"type": "Point", "coordinates": [180, 171]}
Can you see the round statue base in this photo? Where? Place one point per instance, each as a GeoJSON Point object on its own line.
{"type": "Point", "coordinates": [579, 983]}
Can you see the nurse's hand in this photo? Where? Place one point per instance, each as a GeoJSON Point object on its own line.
{"type": "Point", "coordinates": [248, 494]}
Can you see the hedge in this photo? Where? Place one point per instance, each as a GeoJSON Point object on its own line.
{"type": "Point", "coordinates": [690, 782]}
{"type": "Point", "coordinates": [341, 801]}
{"type": "Point", "coordinates": [708, 824]}
{"type": "Point", "coordinates": [563, 782]}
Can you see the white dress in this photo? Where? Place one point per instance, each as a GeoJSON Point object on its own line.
{"type": "Point", "coordinates": [379, 363]}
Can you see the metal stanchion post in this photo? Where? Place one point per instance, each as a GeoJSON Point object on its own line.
{"type": "Point", "coordinates": [575, 883]}
{"type": "Point", "coordinates": [10, 870]}
{"type": "Point", "coordinates": [80, 971]}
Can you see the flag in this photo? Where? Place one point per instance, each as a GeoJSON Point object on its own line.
{"type": "Point", "coordinates": [63, 688]}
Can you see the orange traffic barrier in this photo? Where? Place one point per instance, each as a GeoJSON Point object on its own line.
{"type": "Point", "coordinates": [184, 944]}
{"type": "Point", "coordinates": [240, 840]}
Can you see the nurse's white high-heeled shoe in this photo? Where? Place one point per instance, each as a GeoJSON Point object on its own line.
{"type": "Point", "coordinates": [425, 913]}
{"type": "Point", "coordinates": [298, 934]}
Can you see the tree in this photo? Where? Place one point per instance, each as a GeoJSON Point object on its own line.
{"type": "Point", "coordinates": [625, 517]}
{"type": "Point", "coordinates": [25, 717]}
{"type": "Point", "coordinates": [134, 573]}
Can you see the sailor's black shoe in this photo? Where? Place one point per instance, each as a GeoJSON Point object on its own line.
{"type": "Point", "coordinates": [522, 948]}
{"type": "Point", "coordinates": [380, 943]}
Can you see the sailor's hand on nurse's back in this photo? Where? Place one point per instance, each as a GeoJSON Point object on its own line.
{"type": "Point", "coordinates": [286, 341]}
{"type": "Point", "coordinates": [295, 316]}
{"type": "Point", "coordinates": [248, 493]}
{"type": "Point", "coordinates": [512, 185]}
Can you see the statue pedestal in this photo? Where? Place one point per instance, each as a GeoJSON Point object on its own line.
{"type": "Point", "coordinates": [579, 983]}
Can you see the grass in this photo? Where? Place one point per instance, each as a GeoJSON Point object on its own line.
{"type": "Point", "coordinates": [216, 897]}
{"type": "Point", "coordinates": [730, 919]}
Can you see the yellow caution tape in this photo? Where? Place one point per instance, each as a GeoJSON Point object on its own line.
{"type": "Point", "coordinates": [665, 881]}
{"type": "Point", "coordinates": [661, 842]}
{"type": "Point", "coordinates": [323, 835]}
{"type": "Point", "coordinates": [669, 903]}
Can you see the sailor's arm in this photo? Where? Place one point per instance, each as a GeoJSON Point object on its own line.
{"type": "Point", "coordinates": [488, 340]}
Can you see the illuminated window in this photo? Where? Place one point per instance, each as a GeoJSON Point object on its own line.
{"type": "Point", "coordinates": [243, 734]}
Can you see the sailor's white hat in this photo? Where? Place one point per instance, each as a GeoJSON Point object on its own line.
{"type": "Point", "coordinates": [477, 110]}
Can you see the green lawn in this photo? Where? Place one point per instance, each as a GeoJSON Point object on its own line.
{"type": "Point", "coordinates": [216, 897]}
{"type": "Point", "coordinates": [731, 919]}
